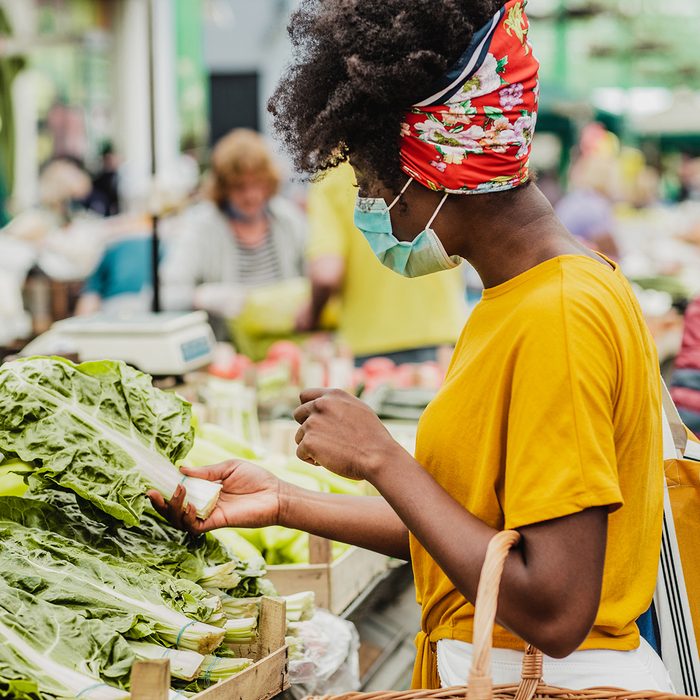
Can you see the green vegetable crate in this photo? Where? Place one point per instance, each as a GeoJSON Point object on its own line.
{"type": "Point", "coordinates": [335, 583]}
{"type": "Point", "coordinates": [267, 678]}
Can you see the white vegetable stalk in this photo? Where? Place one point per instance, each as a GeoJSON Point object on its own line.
{"type": "Point", "coordinates": [242, 631]}
{"type": "Point", "coordinates": [158, 471]}
{"type": "Point", "coordinates": [185, 665]}
{"type": "Point", "coordinates": [217, 668]}
{"type": "Point", "coordinates": [77, 683]}
{"type": "Point", "coordinates": [300, 606]}
{"type": "Point", "coordinates": [239, 607]}
{"type": "Point", "coordinates": [172, 626]}
{"type": "Point", "coordinates": [220, 576]}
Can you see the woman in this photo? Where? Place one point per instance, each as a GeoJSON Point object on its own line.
{"type": "Point", "coordinates": [549, 419]}
{"type": "Point", "coordinates": [243, 236]}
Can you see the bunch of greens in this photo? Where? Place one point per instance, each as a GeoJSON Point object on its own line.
{"type": "Point", "coordinates": [100, 429]}
{"type": "Point", "coordinates": [49, 649]}
{"type": "Point", "coordinates": [133, 601]}
{"type": "Point", "coordinates": [152, 543]}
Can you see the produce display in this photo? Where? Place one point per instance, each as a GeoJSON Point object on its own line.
{"type": "Point", "coordinates": [91, 578]}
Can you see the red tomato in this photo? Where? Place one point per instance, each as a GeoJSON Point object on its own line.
{"type": "Point", "coordinates": [405, 376]}
{"type": "Point", "coordinates": [286, 351]}
{"type": "Point", "coordinates": [379, 367]}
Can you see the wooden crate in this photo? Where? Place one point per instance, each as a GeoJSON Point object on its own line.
{"type": "Point", "coordinates": [335, 584]}
{"type": "Point", "coordinates": [267, 678]}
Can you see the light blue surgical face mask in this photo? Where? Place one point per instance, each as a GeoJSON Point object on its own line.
{"type": "Point", "coordinates": [421, 256]}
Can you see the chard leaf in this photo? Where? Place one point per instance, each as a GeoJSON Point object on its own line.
{"type": "Point", "coordinates": [134, 603]}
{"type": "Point", "coordinates": [49, 648]}
{"type": "Point", "coordinates": [99, 428]}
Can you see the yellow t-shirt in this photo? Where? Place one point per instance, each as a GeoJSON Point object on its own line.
{"type": "Point", "coordinates": [551, 405]}
{"type": "Point", "coordinates": [380, 310]}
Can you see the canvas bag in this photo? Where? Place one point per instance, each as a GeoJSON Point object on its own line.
{"type": "Point", "coordinates": [677, 597]}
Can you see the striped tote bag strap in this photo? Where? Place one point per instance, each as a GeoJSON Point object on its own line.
{"type": "Point", "coordinates": [679, 648]}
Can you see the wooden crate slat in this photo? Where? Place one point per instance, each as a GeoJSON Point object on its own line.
{"type": "Point", "coordinates": [268, 677]}
{"type": "Point", "coordinates": [335, 584]}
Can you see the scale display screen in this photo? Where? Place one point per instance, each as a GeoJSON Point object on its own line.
{"type": "Point", "coordinates": [194, 349]}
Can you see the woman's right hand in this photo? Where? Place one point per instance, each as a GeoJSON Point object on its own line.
{"type": "Point", "coordinates": [250, 497]}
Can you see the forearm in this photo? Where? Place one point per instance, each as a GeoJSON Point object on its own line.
{"type": "Point", "coordinates": [364, 521]}
{"type": "Point", "coordinates": [326, 274]}
{"type": "Point", "coordinates": [320, 296]}
{"type": "Point", "coordinates": [538, 585]}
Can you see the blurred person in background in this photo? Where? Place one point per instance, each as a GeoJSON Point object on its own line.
{"type": "Point", "coordinates": [242, 236]}
{"type": "Point", "coordinates": [431, 309]}
{"type": "Point", "coordinates": [104, 198]}
{"type": "Point", "coordinates": [587, 210]}
{"type": "Point", "coordinates": [122, 282]}
{"type": "Point", "coordinates": [58, 231]}
{"type": "Point", "coordinates": [685, 382]}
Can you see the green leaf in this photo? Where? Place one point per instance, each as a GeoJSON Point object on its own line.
{"type": "Point", "coordinates": [502, 63]}
{"type": "Point", "coordinates": [134, 600]}
{"type": "Point", "coordinates": [18, 689]}
{"type": "Point", "coordinates": [100, 429]}
{"type": "Point", "coordinates": [60, 653]}
{"type": "Point", "coordinates": [493, 113]}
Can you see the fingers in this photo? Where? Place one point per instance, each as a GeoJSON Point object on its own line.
{"type": "Point", "coordinates": [158, 502]}
{"type": "Point", "coordinates": [303, 412]}
{"type": "Point", "coordinates": [175, 512]}
{"type": "Point", "coordinates": [304, 454]}
{"type": "Point", "coordinates": [215, 472]}
{"type": "Point", "coordinates": [312, 394]}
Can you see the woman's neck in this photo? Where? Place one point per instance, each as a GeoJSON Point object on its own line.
{"type": "Point", "coordinates": [249, 234]}
{"type": "Point", "coordinates": [508, 234]}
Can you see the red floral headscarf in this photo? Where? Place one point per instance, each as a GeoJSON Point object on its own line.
{"type": "Point", "coordinates": [474, 134]}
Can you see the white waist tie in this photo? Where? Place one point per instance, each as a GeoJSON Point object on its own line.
{"type": "Point", "coordinates": [640, 669]}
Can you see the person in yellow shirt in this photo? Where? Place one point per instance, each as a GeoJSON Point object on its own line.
{"type": "Point", "coordinates": [549, 420]}
{"type": "Point", "coordinates": [341, 263]}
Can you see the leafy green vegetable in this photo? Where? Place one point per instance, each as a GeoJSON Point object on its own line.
{"type": "Point", "coordinates": [180, 594]}
{"type": "Point", "coordinates": [12, 482]}
{"type": "Point", "coordinates": [215, 669]}
{"type": "Point", "coordinates": [131, 601]}
{"type": "Point", "coordinates": [238, 546]}
{"type": "Point", "coordinates": [62, 653]}
{"type": "Point", "coordinates": [100, 429]}
{"type": "Point", "coordinates": [152, 543]}
{"type": "Point", "coordinates": [18, 689]}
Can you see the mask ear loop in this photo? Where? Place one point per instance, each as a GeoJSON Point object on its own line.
{"type": "Point", "coordinates": [437, 211]}
{"type": "Point", "coordinates": [400, 194]}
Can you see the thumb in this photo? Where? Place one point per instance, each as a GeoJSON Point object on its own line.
{"type": "Point", "coordinates": [215, 472]}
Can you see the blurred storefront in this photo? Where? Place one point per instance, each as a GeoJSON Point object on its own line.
{"type": "Point", "coordinates": [80, 79]}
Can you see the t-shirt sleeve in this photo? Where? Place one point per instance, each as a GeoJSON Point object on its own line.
{"type": "Point", "coordinates": [330, 215]}
{"type": "Point", "coordinates": [560, 452]}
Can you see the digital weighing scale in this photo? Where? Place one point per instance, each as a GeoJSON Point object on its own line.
{"type": "Point", "coordinates": [164, 344]}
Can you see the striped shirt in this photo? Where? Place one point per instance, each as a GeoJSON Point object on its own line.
{"type": "Point", "coordinates": [258, 266]}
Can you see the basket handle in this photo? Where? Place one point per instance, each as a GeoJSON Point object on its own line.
{"type": "Point", "coordinates": [480, 682]}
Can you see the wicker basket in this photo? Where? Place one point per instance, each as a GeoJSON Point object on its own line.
{"type": "Point", "coordinates": [480, 686]}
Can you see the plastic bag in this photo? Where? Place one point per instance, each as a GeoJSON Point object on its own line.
{"type": "Point", "coordinates": [327, 660]}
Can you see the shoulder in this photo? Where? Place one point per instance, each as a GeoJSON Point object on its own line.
{"type": "Point", "coordinates": [204, 211]}
{"type": "Point", "coordinates": [285, 210]}
{"type": "Point", "coordinates": [201, 222]}
{"type": "Point", "coordinates": [581, 297]}
{"type": "Point", "coordinates": [288, 218]}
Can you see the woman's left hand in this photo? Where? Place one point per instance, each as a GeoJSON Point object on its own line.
{"type": "Point", "coordinates": [342, 434]}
